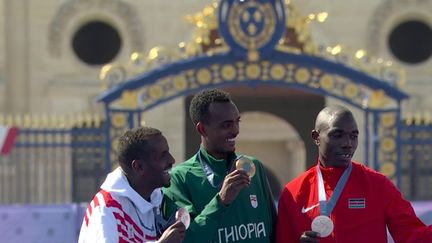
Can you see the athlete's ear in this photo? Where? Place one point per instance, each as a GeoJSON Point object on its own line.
{"type": "Point", "coordinates": [137, 165]}
{"type": "Point", "coordinates": [200, 128]}
{"type": "Point", "coordinates": [315, 137]}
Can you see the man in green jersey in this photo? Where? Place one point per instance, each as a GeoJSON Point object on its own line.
{"type": "Point", "coordinates": [225, 204]}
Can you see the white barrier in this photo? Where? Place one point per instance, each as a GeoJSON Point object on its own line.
{"type": "Point", "coordinates": [40, 223]}
{"type": "Point", "coordinates": [61, 223]}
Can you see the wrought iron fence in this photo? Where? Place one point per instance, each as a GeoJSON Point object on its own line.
{"type": "Point", "coordinates": [416, 159]}
{"type": "Point", "coordinates": [62, 160]}
{"type": "Point", "coordinates": [56, 160]}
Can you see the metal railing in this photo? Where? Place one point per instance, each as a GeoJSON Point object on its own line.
{"type": "Point", "coordinates": [416, 159]}
{"type": "Point", "coordinates": [61, 160]}
{"type": "Point", "coordinates": [57, 160]}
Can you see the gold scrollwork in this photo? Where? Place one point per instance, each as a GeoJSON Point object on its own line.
{"type": "Point", "coordinates": [377, 98]}
{"type": "Point", "coordinates": [111, 75]}
{"type": "Point", "coordinates": [129, 99]}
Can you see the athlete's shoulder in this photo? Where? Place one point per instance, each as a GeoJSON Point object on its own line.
{"type": "Point", "coordinates": [367, 171]}
{"type": "Point", "coordinates": [100, 209]}
{"type": "Point", "coordinates": [108, 199]}
{"type": "Point", "coordinates": [185, 166]}
{"type": "Point", "coordinates": [371, 177]}
{"type": "Point", "coordinates": [307, 177]}
{"type": "Point", "coordinates": [186, 171]}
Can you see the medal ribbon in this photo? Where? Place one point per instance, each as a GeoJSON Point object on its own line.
{"type": "Point", "coordinates": [160, 223]}
{"type": "Point", "coordinates": [327, 207]}
{"type": "Point", "coordinates": [208, 171]}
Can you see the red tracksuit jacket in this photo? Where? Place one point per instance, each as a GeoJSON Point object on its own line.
{"type": "Point", "coordinates": [368, 203]}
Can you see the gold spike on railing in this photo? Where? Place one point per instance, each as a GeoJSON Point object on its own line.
{"type": "Point", "coordinates": [417, 118]}
{"type": "Point", "coordinates": [79, 120]}
{"type": "Point", "coordinates": [70, 121]}
{"type": "Point", "coordinates": [62, 121]}
{"type": "Point", "coordinates": [54, 121]}
{"type": "Point", "coordinates": [18, 120]}
{"type": "Point", "coordinates": [408, 118]}
{"type": "Point", "coordinates": [35, 121]}
{"type": "Point", "coordinates": [9, 120]}
{"type": "Point", "coordinates": [426, 118]}
{"type": "Point", "coordinates": [27, 121]}
{"type": "Point", "coordinates": [45, 121]}
{"type": "Point", "coordinates": [88, 120]}
{"type": "Point", "coordinates": [142, 120]}
{"type": "Point", "coordinates": [51, 121]}
{"type": "Point", "coordinates": [97, 120]}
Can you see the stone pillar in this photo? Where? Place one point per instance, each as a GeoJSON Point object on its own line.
{"type": "Point", "coordinates": [17, 46]}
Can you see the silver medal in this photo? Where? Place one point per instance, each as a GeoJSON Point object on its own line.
{"type": "Point", "coordinates": [323, 225]}
{"type": "Point", "coordinates": [183, 215]}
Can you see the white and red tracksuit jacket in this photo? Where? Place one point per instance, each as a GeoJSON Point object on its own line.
{"type": "Point", "coordinates": [119, 214]}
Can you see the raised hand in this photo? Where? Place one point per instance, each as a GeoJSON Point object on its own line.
{"type": "Point", "coordinates": [233, 183]}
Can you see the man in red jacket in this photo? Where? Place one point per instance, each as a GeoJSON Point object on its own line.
{"type": "Point", "coordinates": [340, 200]}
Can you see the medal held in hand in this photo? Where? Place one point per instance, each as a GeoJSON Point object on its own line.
{"type": "Point", "coordinates": [183, 215]}
{"type": "Point", "coordinates": [245, 164]}
{"type": "Point", "coordinates": [323, 225]}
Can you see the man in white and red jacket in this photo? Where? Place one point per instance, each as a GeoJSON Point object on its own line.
{"type": "Point", "coordinates": [127, 207]}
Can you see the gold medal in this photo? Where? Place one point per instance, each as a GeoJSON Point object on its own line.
{"type": "Point", "coordinates": [246, 165]}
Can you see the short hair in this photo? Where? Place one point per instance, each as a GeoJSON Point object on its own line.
{"type": "Point", "coordinates": [134, 144]}
{"type": "Point", "coordinates": [199, 106]}
{"type": "Point", "coordinates": [328, 113]}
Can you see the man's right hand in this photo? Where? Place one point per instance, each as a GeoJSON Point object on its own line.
{"type": "Point", "coordinates": [174, 233]}
{"type": "Point", "coordinates": [309, 236]}
{"type": "Point", "coordinates": [233, 183]}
